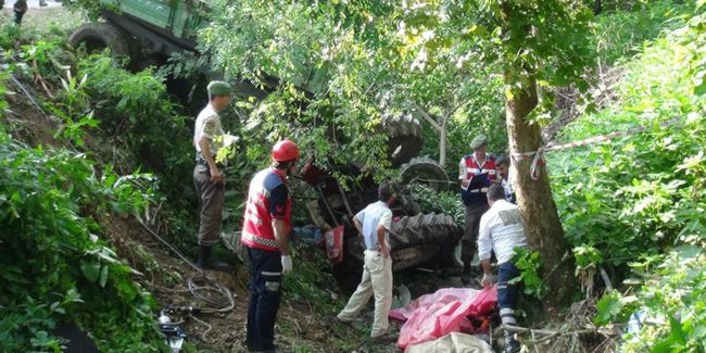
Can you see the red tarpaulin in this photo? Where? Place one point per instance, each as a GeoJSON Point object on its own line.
{"type": "Point", "coordinates": [432, 316]}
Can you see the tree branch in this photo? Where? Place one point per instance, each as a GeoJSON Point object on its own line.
{"type": "Point", "coordinates": [427, 117]}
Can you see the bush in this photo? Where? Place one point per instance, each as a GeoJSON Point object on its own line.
{"type": "Point", "coordinates": [640, 197]}
{"type": "Point", "coordinates": [622, 33]}
{"type": "Point", "coordinates": [56, 265]}
{"type": "Point", "coordinates": [639, 193]}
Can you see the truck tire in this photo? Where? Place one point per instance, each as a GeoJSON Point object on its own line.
{"type": "Point", "coordinates": [415, 240]}
{"type": "Point", "coordinates": [404, 139]}
{"type": "Point", "coordinates": [97, 36]}
{"type": "Point", "coordinates": [424, 170]}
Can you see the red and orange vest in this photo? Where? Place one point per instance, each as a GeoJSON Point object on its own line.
{"type": "Point", "coordinates": [477, 195]}
{"type": "Point", "coordinates": [257, 222]}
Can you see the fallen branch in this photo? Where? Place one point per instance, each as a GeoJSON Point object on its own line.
{"type": "Point", "coordinates": [39, 79]}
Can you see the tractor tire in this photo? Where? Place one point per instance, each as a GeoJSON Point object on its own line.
{"type": "Point", "coordinates": [415, 240]}
{"type": "Point", "coordinates": [424, 170]}
{"type": "Point", "coordinates": [404, 139]}
{"type": "Point", "coordinates": [97, 36]}
{"type": "Point", "coordinates": [418, 239]}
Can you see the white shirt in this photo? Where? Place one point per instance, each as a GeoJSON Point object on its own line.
{"type": "Point", "coordinates": [208, 125]}
{"type": "Point", "coordinates": [500, 232]}
{"type": "Point", "coordinates": [374, 215]}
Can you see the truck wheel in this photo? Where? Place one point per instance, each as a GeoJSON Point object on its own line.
{"type": "Point", "coordinates": [100, 35]}
{"type": "Point", "coordinates": [425, 171]}
{"type": "Point", "coordinates": [404, 139]}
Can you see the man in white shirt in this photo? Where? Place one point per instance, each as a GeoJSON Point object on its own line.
{"type": "Point", "coordinates": [374, 224]}
{"type": "Point", "coordinates": [208, 174]}
{"type": "Point", "coordinates": [501, 232]}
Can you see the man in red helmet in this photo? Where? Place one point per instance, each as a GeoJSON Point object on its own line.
{"type": "Point", "coordinates": [266, 226]}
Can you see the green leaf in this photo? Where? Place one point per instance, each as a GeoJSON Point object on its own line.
{"type": "Point", "coordinates": [104, 276]}
{"type": "Point", "coordinates": [608, 307]}
{"type": "Point", "coordinates": [90, 269]}
{"type": "Point", "coordinates": [664, 346]}
{"type": "Point", "coordinates": [677, 333]}
{"type": "Point", "coordinates": [72, 296]}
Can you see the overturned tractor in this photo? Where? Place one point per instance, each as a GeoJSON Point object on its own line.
{"type": "Point", "coordinates": [417, 239]}
{"type": "Point", "coordinates": [147, 32]}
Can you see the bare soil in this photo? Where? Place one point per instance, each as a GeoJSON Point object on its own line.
{"type": "Point", "coordinates": [40, 18]}
{"type": "Point", "coordinates": [166, 275]}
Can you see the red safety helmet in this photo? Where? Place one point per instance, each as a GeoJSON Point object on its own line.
{"type": "Point", "coordinates": [284, 151]}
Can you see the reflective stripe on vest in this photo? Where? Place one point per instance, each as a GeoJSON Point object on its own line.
{"type": "Point", "coordinates": [472, 167]}
{"type": "Point", "coordinates": [254, 239]}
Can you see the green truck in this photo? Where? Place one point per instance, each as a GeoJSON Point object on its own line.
{"type": "Point", "coordinates": [144, 31]}
{"type": "Point", "coordinates": [147, 32]}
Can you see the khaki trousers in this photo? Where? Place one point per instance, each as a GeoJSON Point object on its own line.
{"type": "Point", "coordinates": [211, 200]}
{"type": "Point", "coordinates": [377, 280]}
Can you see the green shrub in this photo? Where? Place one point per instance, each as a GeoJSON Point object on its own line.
{"type": "Point", "coordinates": [638, 200]}
{"type": "Point", "coordinates": [622, 33]}
{"type": "Point", "coordinates": [447, 202]}
{"type": "Point", "coordinates": [142, 129]}
{"type": "Point", "coordinates": [56, 265]}
{"type": "Point", "coordinates": [639, 193]}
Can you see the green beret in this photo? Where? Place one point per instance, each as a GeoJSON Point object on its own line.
{"type": "Point", "coordinates": [479, 141]}
{"type": "Point", "coordinates": [218, 88]}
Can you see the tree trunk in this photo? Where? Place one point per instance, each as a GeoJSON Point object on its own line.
{"type": "Point", "coordinates": [537, 207]}
{"type": "Point", "coordinates": [442, 144]}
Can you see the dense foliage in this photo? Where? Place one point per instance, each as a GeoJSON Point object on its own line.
{"type": "Point", "coordinates": [362, 65]}
{"type": "Point", "coordinates": [57, 267]}
{"type": "Point", "coordinates": [632, 200]}
{"type": "Point", "coordinates": [57, 203]}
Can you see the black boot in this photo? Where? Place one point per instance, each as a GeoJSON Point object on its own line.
{"type": "Point", "coordinates": [18, 17]}
{"type": "Point", "coordinates": [206, 260]}
{"type": "Point", "coordinates": [511, 344]}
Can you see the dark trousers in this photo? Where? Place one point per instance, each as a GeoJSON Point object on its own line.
{"type": "Point", "coordinates": [507, 293]}
{"type": "Point", "coordinates": [211, 200]}
{"type": "Point", "coordinates": [265, 295]}
{"type": "Point", "coordinates": [472, 217]}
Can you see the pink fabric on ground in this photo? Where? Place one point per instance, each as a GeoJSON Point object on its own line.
{"type": "Point", "coordinates": [432, 316]}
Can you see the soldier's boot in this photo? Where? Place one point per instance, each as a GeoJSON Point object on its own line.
{"type": "Point", "coordinates": [18, 17]}
{"type": "Point", "coordinates": [207, 262]}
